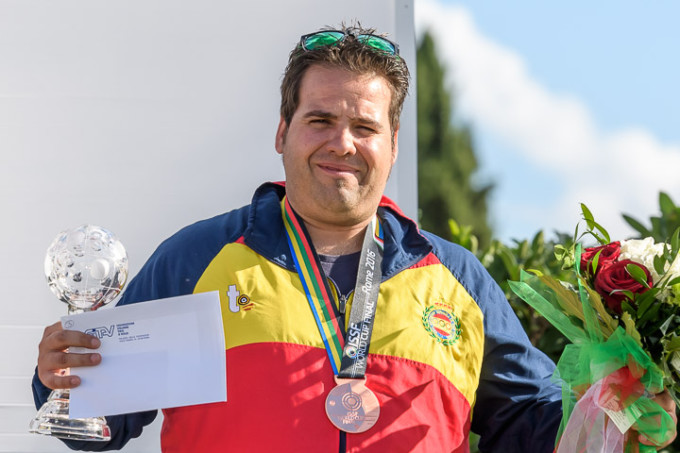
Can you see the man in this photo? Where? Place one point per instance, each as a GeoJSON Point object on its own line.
{"type": "Point", "coordinates": [329, 270]}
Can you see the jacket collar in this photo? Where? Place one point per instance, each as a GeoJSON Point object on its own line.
{"type": "Point", "coordinates": [265, 232]}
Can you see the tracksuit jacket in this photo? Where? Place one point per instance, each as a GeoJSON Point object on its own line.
{"type": "Point", "coordinates": [447, 353]}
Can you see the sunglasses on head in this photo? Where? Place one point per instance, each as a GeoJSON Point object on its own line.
{"type": "Point", "coordinates": [325, 38]}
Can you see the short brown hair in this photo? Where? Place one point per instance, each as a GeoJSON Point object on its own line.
{"type": "Point", "coordinates": [353, 56]}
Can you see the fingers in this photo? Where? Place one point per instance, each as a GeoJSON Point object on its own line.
{"type": "Point", "coordinates": [54, 359]}
{"type": "Point", "coordinates": [56, 338]}
{"type": "Point", "coordinates": [667, 403]}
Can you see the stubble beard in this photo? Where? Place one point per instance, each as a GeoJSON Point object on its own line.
{"type": "Point", "coordinates": [342, 200]}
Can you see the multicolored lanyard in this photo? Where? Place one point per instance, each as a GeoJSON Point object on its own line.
{"type": "Point", "coordinates": [348, 360]}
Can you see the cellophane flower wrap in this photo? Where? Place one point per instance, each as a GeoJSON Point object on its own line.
{"type": "Point", "coordinates": [621, 313]}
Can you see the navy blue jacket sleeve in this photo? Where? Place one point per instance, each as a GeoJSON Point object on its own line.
{"type": "Point", "coordinates": [517, 403]}
{"type": "Point", "coordinates": [518, 407]}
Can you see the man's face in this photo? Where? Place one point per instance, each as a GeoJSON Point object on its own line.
{"type": "Point", "coordinates": [337, 150]}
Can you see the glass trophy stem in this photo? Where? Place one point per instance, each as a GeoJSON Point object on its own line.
{"type": "Point", "coordinates": [53, 417]}
{"type": "Point", "coordinates": [73, 310]}
{"type": "Point", "coordinates": [53, 420]}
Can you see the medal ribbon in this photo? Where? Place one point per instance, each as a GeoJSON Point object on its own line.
{"type": "Point", "coordinates": [350, 362]}
{"type": "Point", "coordinates": [362, 316]}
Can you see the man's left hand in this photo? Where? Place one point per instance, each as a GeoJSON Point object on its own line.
{"type": "Point", "coordinates": [664, 400]}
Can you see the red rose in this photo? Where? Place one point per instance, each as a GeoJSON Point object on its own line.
{"type": "Point", "coordinates": [610, 280]}
{"type": "Point", "coordinates": [609, 253]}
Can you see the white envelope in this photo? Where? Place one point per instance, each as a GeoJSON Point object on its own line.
{"type": "Point", "coordinates": [157, 354]}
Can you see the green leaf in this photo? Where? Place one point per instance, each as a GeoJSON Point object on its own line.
{"type": "Point", "coordinates": [510, 263]}
{"type": "Point", "coordinates": [659, 264]}
{"type": "Point", "coordinates": [644, 302]}
{"type": "Point", "coordinates": [576, 237]}
{"type": "Point", "coordinates": [536, 272]}
{"type": "Point", "coordinates": [630, 327]}
{"type": "Point", "coordinates": [651, 314]}
{"type": "Point", "coordinates": [567, 299]}
{"type": "Point", "coordinates": [560, 252]}
{"type": "Point", "coordinates": [454, 227]}
{"type": "Point", "coordinates": [604, 233]}
{"type": "Point", "coordinates": [675, 241]}
{"type": "Point", "coordinates": [474, 244]}
{"type": "Point", "coordinates": [603, 239]}
{"type": "Point", "coordinates": [626, 306]}
{"type": "Point", "coordinates": [638, 274]}
{"type": "Point", "coordinates": [587, 215]}
{"type": "Point", "coordinates": [675, 281]}
{"type": "Point", "coordinates": [594, 227]}
{"type": "Point", "coordinates": [656, 226]}
{"type": "Point", "coordinates": [538, 241]}
{"type": "Point", "coordinates": [608, 323]}
{"type": "Point", "coordinates": [643, 230]}
{"type": "Point", "coordinates": [665, 203]}
{"type": "Point", "coordinates": [523, 249]}
{"type": "Point", "coordinates": [673, 344]}
{"type": "Point", "coordinates": [594, 262]}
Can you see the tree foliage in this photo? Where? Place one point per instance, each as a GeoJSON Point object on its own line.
{"type": "Point", "coordinates": [446, 156]}
{"type": "Point", "coordinates": [505, 261]}
{"type": "Point", "coordinates": [662, 226]}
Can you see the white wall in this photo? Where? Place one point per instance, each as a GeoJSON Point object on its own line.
{"type": "Point", "coordinates": [141, 116]}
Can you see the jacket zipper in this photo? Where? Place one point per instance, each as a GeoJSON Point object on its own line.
{"type": "Point", "coordinates": [342, 303]}
{"type": "Point", "coordinates": [341, 300]}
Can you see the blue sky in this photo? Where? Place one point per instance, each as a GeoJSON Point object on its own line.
{"type": "Point", "coordinates": [570, 102]}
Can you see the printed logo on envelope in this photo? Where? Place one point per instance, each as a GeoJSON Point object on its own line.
{"type": "Point", "coordinates": [101, 332]}
{"type": "Point", "coordinates": [121, 330]}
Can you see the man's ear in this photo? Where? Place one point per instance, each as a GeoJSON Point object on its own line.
{"type": "Point", "coordinates": [281, 136]}
{"type": "Point", "coordinates": [395, 145]}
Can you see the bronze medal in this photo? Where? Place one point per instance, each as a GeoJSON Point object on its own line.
{"type": "Point", "coordinates": [351, 406]}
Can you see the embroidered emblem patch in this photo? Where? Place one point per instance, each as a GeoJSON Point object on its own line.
{"type": "Point", "coordinates": [238, 301]}
{"type": "Point", "coordinates": [442, 324]}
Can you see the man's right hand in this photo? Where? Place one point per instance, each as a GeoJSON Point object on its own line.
{"type": "Point", "coordinates": [54, 360]}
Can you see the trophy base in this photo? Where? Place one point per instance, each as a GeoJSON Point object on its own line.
{"type": "Point", "coordinates": [52, 420]}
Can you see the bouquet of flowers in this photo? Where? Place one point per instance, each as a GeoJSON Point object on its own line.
{"type": "Point", "coordinates": [621, 313]}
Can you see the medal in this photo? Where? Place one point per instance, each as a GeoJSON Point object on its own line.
{"type": "Point", "coordinates": [351, 406]}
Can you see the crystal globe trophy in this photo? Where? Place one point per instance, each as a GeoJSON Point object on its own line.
{"type": "Point", "coordinates": [86, 267]}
